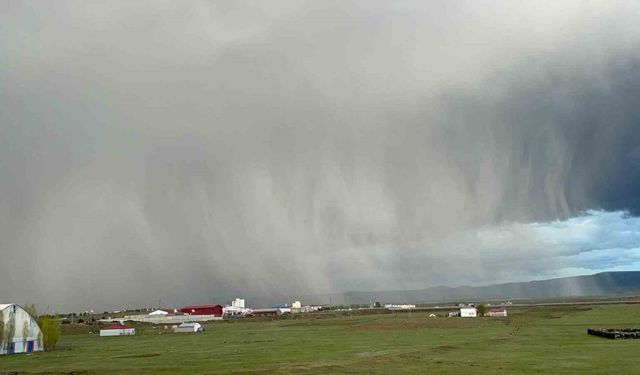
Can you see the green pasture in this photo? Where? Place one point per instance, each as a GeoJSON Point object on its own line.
{"type": "Point", "coordinates": [537, 340]}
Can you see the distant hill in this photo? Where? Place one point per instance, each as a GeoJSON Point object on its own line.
{"type": "Point", "coordinates": [606, 283]}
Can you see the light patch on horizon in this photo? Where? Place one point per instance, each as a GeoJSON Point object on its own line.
{"type": "Point", "coordinates": [204, 150]}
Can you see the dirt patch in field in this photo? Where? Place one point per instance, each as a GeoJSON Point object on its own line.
{"type": "Point", "coordinates": [444, 348]}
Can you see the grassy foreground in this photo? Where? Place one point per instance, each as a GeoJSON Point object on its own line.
{"type": "Point", "coordinates": [542, 340]}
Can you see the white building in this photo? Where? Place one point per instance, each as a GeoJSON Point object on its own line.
{"type": "Point", "coordinates": [296, 305]}
{"type": "Point", "coordinates": [237, 308]}
{"type": "Point", "coordinates": [468, 312]}
{"type": "Point", "coordinates": [118, 330]}
{"type": "Point", "coordinates": [20, 331]}
{"type": "Point", "coordinates": [188, 327]}
{"type": "Point", "coordinates": [284, 310]}
{"type": "Point", "coordinates": [310, 308]}
{"type": "Point", "coordinates": [158, 313]}
{"type": "Point", "coordinates": [390, 306]}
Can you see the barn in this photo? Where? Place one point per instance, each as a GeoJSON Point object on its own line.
{"type": "Point", "coordinates": [19, 331]}
{"type": "Point", "coordinates": [118, 330]}
{"type": "Point", "coordinates": [215, 310]}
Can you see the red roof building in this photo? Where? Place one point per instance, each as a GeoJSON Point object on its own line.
{"type": "Point", "coordinates": [498, 312]}
{"type": "Point", "coordinates": [215, 310]}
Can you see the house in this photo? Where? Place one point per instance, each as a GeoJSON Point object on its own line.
{"type": "Point", "coordinates": [215, 310]}
{"type": "Point", "coordinates": [118, 330]}
{"type": "Point", "coordinates": [499, 312]}
{"type": "Point", "coordinates": [188, 327]}
{"type": "Point", "coordinates": [19, 331]}
{"type": "Point", "coordinates": [468, 312]}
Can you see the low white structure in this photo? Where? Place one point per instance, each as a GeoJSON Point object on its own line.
{"type": "Point", "coordinates": [310, 308]}
{"type": "Point", "coordinates": [19, 331]}
{"type": "Point", "coordinates": [468, 312]}
{"type": "Point", "coordinates": [501, 312]}
{"type": "Point", "coordinates": [158, 313]}
{"type": "Point", "coordinates": [284, 310]}
{"type": "Point", "coordinates": [390, 306]}
{"type": "Point", "coordinates": [118, 330]}
{"type": "Point", "coordinates": [189, 327]}
{"type": "Point", "coordinates": [296, 305]}
{"type": "Point", "coordinates": [432, 315]}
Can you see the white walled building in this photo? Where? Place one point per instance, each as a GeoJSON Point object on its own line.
{"type": "Point", "coordinates": [118, 330]}
{"type": "Point", "coordinates": [20, 331]}
{"type": "Point", "coordinates": [238, 302]}
{"type": "Point", "coordinates": [390, 306]}
{"type": "Point", "coordinates": [468, 312]}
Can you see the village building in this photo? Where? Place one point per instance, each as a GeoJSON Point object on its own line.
{"type": "Point", "coordinates": [19, 331]}
{"type": "Point", "coordinates": [468, 312]}
{"type": "Point", "coordinates": [264, 312]}
{"type": "Point", "coordinates": [159, 313]}
{"type": "Point", "coordinates": [215, 310]}
{"type": "Point", "coordinates": [118, 330]}
{"type": "Point", "coordinates": [498, 312]}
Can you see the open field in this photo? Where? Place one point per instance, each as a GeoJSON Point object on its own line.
{"type": "Point", "coordinates": [537, 340]}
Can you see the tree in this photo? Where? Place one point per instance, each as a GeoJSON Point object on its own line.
{"type": "Point", "coordinates": [482, 309]}
{"type": "Point", "coordinates": [51, 331]}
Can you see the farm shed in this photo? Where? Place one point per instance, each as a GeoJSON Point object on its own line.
{"type": "Point", "coordinates": [118, 330]}
{"type": "Point", "coordinates": [215, 310]}
{"type": "Point", "coordinates": [499, 312]}
{"type": "Point", "coordinates": [468, 312]}
{"type": "Point", "coordinates": [19, 331]}
{"type": "Point", "coordinates": [188, 327]}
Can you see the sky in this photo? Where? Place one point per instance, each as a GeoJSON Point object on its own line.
{"type": "Point", "coordinates": [201, 150]}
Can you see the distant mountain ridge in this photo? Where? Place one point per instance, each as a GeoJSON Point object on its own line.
{"type": "Point", "coordinates": [605, 283]}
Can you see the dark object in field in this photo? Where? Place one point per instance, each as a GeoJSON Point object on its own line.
{"type": "Point", "coordinates": [615, 333]}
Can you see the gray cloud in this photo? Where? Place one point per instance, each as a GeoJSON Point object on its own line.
{"type": "Point", "coordinates": [200, 150]}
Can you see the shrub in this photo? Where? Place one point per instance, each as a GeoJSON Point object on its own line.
{"type": "Point", "coordinates": [50, 332]}
{"type": "Point", "coordinates": [482, 309]}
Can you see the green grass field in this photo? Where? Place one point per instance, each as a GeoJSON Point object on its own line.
{"type": "Point", "coordinates": [541, 340]}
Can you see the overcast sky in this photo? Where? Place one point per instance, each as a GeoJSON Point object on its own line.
{"type": "Point", "coordinates": [195, 151]}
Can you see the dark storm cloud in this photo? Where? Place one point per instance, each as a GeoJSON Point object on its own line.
{"type": "Point", "coordinates": [200, 150]}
